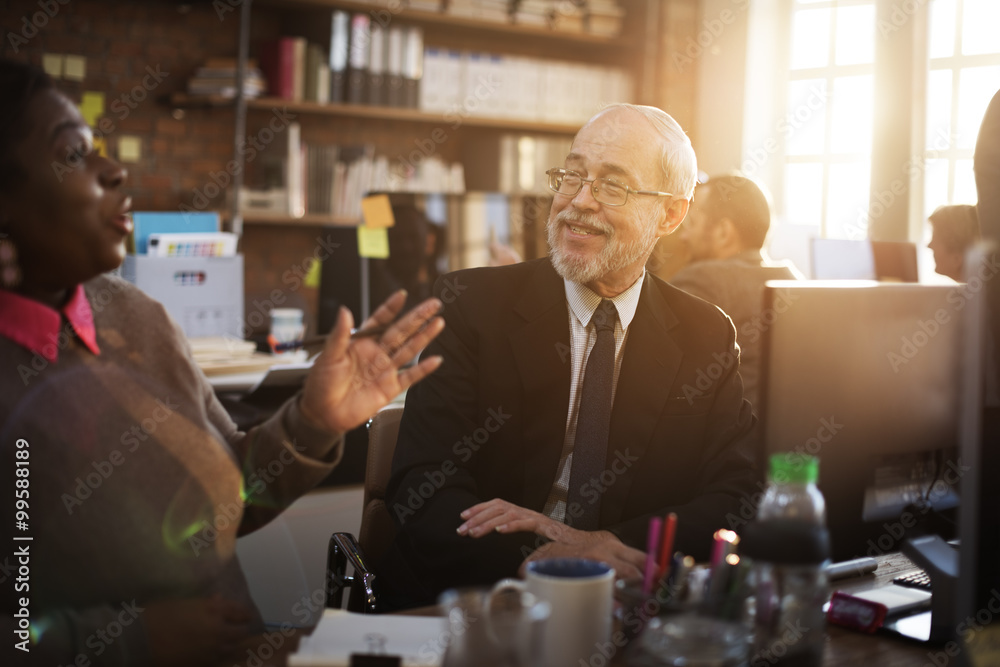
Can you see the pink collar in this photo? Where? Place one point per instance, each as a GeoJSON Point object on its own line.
{"type": "Point", "coordinates": [35, 326]}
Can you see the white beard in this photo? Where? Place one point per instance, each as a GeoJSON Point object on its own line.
{"type": "Point", "coordinates": [614, 256]}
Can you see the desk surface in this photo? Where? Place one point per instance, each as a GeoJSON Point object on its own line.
{"type": "Point", "coordinates": [843, 647]}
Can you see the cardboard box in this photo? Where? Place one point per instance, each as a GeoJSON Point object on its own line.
{"type": "Point", "coordinates": [204, 294]}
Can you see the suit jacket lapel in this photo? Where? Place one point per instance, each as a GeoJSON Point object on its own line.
{"type": "Point", "coordinates": [649, 367]}
{"type": "Point", "coordinates": [542, 358]}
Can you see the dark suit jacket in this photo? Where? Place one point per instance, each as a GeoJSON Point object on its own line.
{"type": "Point", "coordinates": [490, 424]}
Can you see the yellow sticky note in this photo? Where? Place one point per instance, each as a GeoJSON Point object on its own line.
{"type": "Point", "coordinates": [373, 243]}
{"type": "Point", "coordinates": [75, 68]}
{"type": "Point", "coordinates": [52, 63]}
{"type": "Point", "coordinates": [377, 212]}
{"type": "Point", "coordinates": [129, 148]}
{"type": "Point", "coordinates": [92, 107]}
{"type": "Point", "coordinates": [101, 146]}
{"type": "Point", "coordinates": [312, 277]}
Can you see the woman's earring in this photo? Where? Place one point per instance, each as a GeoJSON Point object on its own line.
{"type": "Point", "coordinates": [10, 270]}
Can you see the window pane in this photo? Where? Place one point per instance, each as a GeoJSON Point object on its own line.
{"type": "Point", "coordinates": [855, 35]}
{"type": "Point", "coordinates": [847, 201]}
{"type": "Point", "coordinates": [942, 28]}
{"type": "Point", "coordinates": [803, 126]}
{"type": "Point", "coordinates": [976, 86]}
{"type": "Point", "coordinates": [979, 27]}
{"type": "Point", "coordinates": [935, 185]}
{"type": "Point", "coordinates": [803, 193]}
{"type": "Point", "coordinates": [852, 114]}
{"type": "Point", "coordinates": [811, 38]}
{"type": "Point", "coordinates": [965, 183]}
{"type": "Point", "coordinates": [939, 109]}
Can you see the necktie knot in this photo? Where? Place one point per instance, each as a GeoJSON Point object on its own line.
{"type": "Point", "coordinates": [605, 316]}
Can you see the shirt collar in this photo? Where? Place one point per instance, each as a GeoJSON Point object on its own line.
{"type": "Point", "coordinates": [35, 326]}
{"type": "Point", "coordinates": [583, 301]}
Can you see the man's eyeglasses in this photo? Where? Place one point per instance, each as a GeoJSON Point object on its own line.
{"type": "Point", "coordinates": [605, 191]}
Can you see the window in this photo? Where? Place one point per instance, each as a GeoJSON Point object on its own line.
{"type": "Point", "coordinates": [828, 141]}
{"type": "Point", "coordinates": [964, 74]}
{"type": "Point", "coordinates": [823, 182]}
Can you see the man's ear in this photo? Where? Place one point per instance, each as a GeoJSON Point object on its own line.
{"type": "Point", "coordinates": [676, 211]}
{"type": "Point", "coordinates": [726, 238]}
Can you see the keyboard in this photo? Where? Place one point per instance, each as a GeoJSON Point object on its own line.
{"type": "Point", "coordinates": [919, 579]}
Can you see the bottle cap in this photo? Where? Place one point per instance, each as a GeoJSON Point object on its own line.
{"type": "Point", "coordinates": [793, 468]}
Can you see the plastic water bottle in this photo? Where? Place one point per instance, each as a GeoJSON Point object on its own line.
{"type": "Point", "coordinates": [789, 546]}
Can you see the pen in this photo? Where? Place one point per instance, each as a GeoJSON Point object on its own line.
{"type": "Point", "coordinates": [666, 549]}
{"type": "Point", "coordinates": [652, 542]}
{"type": "Point", "coordinates": [320, 340]}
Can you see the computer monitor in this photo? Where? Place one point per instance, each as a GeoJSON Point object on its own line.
{"type": "Point", "coordinates": [842, 259]}
{"type": "Point", "coordinates": [867, 377]}
{"type": "Point", "coordinates": [979, 517]}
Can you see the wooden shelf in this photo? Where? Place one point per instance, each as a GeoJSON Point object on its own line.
{"type": "Point", "coordinates": [266, 218]}
{"type": "Point", "coordinates": [414, 115]}
{"type": "Point", "coordinates": [441, 18]}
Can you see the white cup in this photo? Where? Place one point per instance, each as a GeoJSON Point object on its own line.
{"type": "Point", "coordinates": [287, 326]}
{"type": "Point", "coordinates": [581, 593]}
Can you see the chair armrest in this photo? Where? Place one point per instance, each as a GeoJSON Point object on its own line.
{"type": "Point", "coordinates": [344, 549]}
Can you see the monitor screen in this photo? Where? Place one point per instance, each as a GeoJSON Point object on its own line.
{"type": "Point", "coordinates": [866, 376]}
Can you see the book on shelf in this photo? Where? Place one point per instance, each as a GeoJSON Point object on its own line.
{"type": "Point", "coordinates": [218, 77]}
{"type": "Point", "coordinates": [317, 75]}
{"type": "Point", "coordinates": [339, 53]}
{"type": "Point", "coordinates": [283, 63]}
{"type": "Point", "coordinates": [413, 65]}
{"type": "Point", "coordinates": [379, 48]}
{"type": "Point", "coordinates": [395, 95]}
{"type": "Point", "coordinates": [518, 87]}
{"type": "Point", "coordinates": [358, 59]}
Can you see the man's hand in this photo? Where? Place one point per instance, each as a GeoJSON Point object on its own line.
{"type": "Point", "coordinates": [352, 379]}
{"type": "Point", "coordinates": [504, 517]}
{"type": "Point", "coordinates": [598, 545]}
{"type": "Point", "coordinates": [200, 631]}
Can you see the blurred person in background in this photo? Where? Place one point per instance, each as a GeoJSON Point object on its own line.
{"type": "Point", "coordinates": [954, 229]}
{"type": "Point", "coordinates": [725, 232]}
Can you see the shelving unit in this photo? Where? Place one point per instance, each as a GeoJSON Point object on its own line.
{"type": "Point", "coordinates": [632, 49]}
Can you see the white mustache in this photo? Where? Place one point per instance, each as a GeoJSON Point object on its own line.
{"type": "Point", "coordinates": [589, 219]}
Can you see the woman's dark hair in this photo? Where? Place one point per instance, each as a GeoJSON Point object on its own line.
{"type": "Point", "coordinates": [19, 83]}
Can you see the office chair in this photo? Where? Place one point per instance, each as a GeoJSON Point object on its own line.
{"type": "Point", "coordinates": [377, 527]}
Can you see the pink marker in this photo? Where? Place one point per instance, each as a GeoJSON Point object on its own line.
{"type": "Point", "coordinates": [652, 545]}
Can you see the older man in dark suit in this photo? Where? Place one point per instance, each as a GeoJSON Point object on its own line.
{"type": "Point", "coordinates": [579, 395]}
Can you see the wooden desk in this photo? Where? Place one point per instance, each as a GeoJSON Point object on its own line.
{"type": "Point", "coordinates": [843, 647]}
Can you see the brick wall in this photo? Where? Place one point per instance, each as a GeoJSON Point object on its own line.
{"type": "Point", "coordinates": [122, 43]}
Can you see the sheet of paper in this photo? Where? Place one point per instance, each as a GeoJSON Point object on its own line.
{"type": "Point", "coordinates": [129, 148]}
{"type": "Point", "coordinates": [92, 106]}
{"type": "Point", "coordinates": [419, 640]}
{"type": "Point", "coordinates": [52, 63]}
{"type": "Point", "coordinates": [377, 212]}
{"type": "Point", "coordinates": [373, 243]}
{"type": "Point", "coordinates": [75, 68]}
